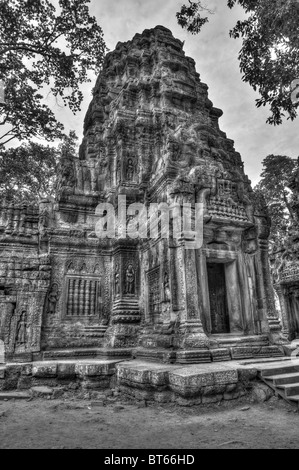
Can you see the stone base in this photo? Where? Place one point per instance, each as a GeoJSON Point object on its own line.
{"type": "Point", "coordinates": [220, 355]}
{"type": "Point", "coordinates": [238, 353]}
{"type": "Point", "coordinates": [222, 349]}
{"type": "Point", "coordinates": [277, 337]}
{"type": "Point", "coordinates": [19, 358]}
{"type": "Point", "coordinates": [121, 336]}
{"type": "Point", "coordinates": [194, 356]}
{"type": "Point", "coordinates": [185, 385]}
{"type": "Point", "coordinates": [191, 338]}
{"type": "Point", "coordinates": [191, 385]}
{"type": "Point", "coordinates": [81, 374]}
{"type": "Point", "coordinates": [166, 356]}
{"type": "Point", "coordinates": [93, 353]}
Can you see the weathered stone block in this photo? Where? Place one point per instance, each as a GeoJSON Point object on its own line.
{"type": "Point", "coordinates": [27, 369]}
{"type": "Point", "coordinates": [163, 397]}
{"type": "Point", "coordinates": [142, 395]}
{"type": "Point", "coordinates": [213, 390]}
{"type": "Point", "coordinates": [159, 378]}
{"type": "Point", "coordinates": [58, 393]}
{"type": "Point", "coordinates": [231, 388]}
{"type": "Point", "coordinates": [247, 374]}
{"type": "Point", "coordinates": [212, 399]}
{"type": "Point", "coordinates": [95, 383]}
{"type": "Point", "coordinates": [94, 370]}
{"type": "Point", "coordinates": [25, 382]}
{"type": "Point", "coordinates": [200, 356]}
{"type": "Point", "coordinates": [188, 402]}
{"type": "Point", "coordinates": [12, 375]}
{"type": "Point", "coordinates": [131, 374]}
{"type": "Point", "coordinates": [261, 392]}
{"type": "Point", "coordinates": [41, 392]}
{"type": "Point", "coordinates": [220, 355]}
{"type": "Point", "coordinates": [2, 372]}
{"type": "Point", "coordinates": [241, 353]}
{"type": "Point", "coordinates": [226, 377]}
{"type": "Point", "coordinates": [184, 378]}
{"type": "Point", "coordinates": [66, 371]}
{"type": "Point", "coordinates": [44, 370]}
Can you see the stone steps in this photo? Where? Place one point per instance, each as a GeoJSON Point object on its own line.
{"type": "Point", "coordinates": [283, 378]}
{"type": "Point", "coordinates": [290, 389]}
{"type": "Point", "coordinates": [284, 368]}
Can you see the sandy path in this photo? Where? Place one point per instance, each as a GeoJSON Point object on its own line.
{"type": "Point", "coordinates": [77, 424]}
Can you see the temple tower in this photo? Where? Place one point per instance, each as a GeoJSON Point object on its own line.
{"type": "Point", "coordinates": [151, 136]}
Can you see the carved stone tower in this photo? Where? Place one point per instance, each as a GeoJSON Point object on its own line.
{"type": "Point", "coordinates": [151, 137]}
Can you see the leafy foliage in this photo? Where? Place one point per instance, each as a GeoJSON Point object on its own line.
{"type": "Point", "coordinates": [31, 172]}
{"type": "Point", "coordinates": [44, 47]}
{"type": "Point", "coordinates": [274, 185]}
{"type": "Point", "coordinates": [269, 57]}
{"type": "Point", "coordinates": [189, 17]}
{"type": "Point", "coordinates": [28, 173]}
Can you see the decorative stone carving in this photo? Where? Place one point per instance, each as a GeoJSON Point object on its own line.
{"type": "Point", "coordinates": [130, 280]}
{"type": "Point", "coordinates": [150, 134]}
{"type": "Point", "coordinates": [166, 288]}
{"type": "Point", "coordinates": [117, 281]}
{"type": "Point", "coordinates": [52, 299]}
{"type": "Point", "coordinates": [21, 336]}
{"type": "Point", "coordinates": [130, 170]}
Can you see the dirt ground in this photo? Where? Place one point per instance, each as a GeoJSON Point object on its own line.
{"type": "Point", "coordinates": [71, 424]}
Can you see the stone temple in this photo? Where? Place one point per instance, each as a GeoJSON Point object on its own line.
{"type": "Point", "coordinates": [151, 134]}
{"type": "Point", "coordinates": [285, 270]}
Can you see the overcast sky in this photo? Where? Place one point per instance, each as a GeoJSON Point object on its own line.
{"type": "Point", "coordinates": [216, 56]}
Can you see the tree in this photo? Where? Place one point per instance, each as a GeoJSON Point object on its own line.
{"type": "Point", "coordinates": [44, 47]}
{"type": "Point", "coordinates": [269, 57]}
{"type": "Point", "coordinates": [31, 172]}
{"type": "Point", "coordinates": [28, 172]}
{"type": "Point", "coordinates": [275, 181]}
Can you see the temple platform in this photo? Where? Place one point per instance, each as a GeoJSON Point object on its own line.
{"type": "Point", "coordinates": [140, 380]}
{"type": "Point", "coordinates": [222, 348]}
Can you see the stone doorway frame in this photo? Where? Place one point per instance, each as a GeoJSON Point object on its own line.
{"type": "Point", "coordinates": [233, 292]}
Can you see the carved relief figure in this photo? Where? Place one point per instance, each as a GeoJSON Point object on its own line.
{"type": "Point", "coordinates": [117, 279]}
{"type": "Point", "coordinates": [130, 280]}
{"type": "Point", "coordinates": [118, 172]}
{"type": "Point", "coordinates": [166, 288]}
{"type": "Point", "coordinates": [52, 300]}
{"type": "Point", "coordinates": [130, 170]}
{"type": "Point", "coordinates": [21, 336]}
{"type": "Point", "coordinates": [43, 219]}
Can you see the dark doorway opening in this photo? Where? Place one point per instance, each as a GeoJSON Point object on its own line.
{"type": "Point", "coordinates": [294, 320]}
{"type": "Point", "coordinates": [218, 298]}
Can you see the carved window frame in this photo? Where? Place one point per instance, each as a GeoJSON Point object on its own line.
{"type": "Point", "coordinates": [90, 278]}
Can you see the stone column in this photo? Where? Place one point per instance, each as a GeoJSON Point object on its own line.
{"type": "Point", "coordinates": [192, 331]}
{"type": "Point", "coordinates": [268, 294]}
{"type": "Point", "coordinates": [233, 297]}
{"type": "Point", "coordinates": [7, 322]}
{"type": "Point", "coordinates": [283, 309]}
{"type": "Point", "coordinates": [204, 289]}
{"type": "Point", "coordinates": [125, 315]}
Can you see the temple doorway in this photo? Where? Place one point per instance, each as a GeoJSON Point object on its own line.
{"type": "Point", "coordinates": [218, 299]}
{"type": "Point", "coordinates": [294, 310]}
